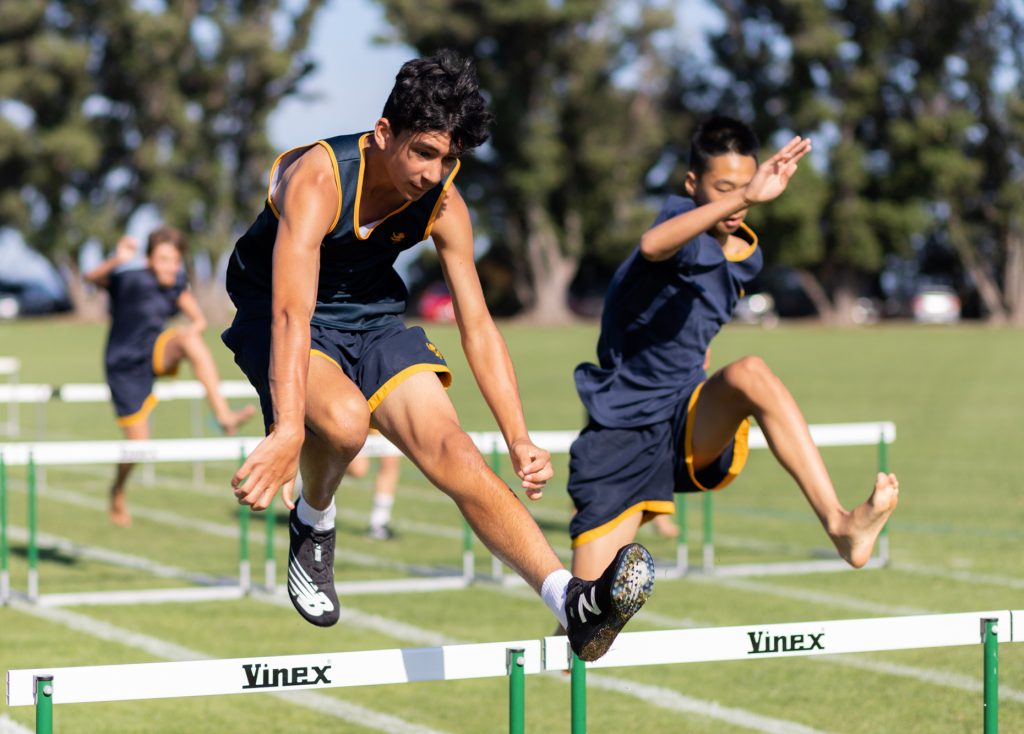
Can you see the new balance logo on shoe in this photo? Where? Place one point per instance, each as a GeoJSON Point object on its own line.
{"type": "Point", "coordinates": [591, 605]}
{"type": "Point", "coordinates": [304, 592]}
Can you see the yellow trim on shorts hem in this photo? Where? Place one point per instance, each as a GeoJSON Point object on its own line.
{"type": "Point", "coordinates": [441, 198]}
{"type": "Point", "coordinates": [739, 452]}
{"type": "Point", "coordinates": [655, 507]}
{"type": "Point", "coordinates": [329, 358]}
{"type": "Point", "coordinates": [141, 414]}
{"type": "Point", "coordinates": [159, 347]}
{"type": "Point", "coordinates": [443, 373]}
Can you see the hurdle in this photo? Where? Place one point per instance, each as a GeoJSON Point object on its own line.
{"type": "Point", "coordinates": [46, 687]}
{"type": "Point", "coordinates": [10, 367]}
{"type": "Point", "coordinates": [41, 454]}
{"type": "Point", "coordinates": [65, 453]}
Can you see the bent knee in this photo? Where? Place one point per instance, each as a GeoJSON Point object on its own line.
{"type": "Point", "coordinates": [750, 376]}
{"type": "Point", "coordinates": [345, 426]}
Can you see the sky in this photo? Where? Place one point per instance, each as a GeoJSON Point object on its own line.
{"type": "Point", "coordinates": [352, 79]}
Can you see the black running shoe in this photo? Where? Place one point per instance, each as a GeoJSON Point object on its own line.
{"type": "Point", "coordinates": [311, 572]}
{"type": "Point", "coordinates": [597, 610]}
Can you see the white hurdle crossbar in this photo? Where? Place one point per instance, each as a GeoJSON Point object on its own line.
{"type": "Point", "coordinates": [53, 453]}
{"type": "Point", "coordinates": [331, 670]}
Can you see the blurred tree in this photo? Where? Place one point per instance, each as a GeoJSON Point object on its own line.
{"type": "Point", "coordinates": [958, 138]}
{"type": "Point", "coordinates": [115, 105]}
{"type": "Point", "coordinates": [918, 133]}
{"type": "Point", "coordinates": [576, 87]}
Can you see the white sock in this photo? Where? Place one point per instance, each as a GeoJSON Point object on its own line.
{"type": "Point", "coordinates": [317, 519]}
{"type": "Point", "coordinates": [381, 513]}
{"type": "Point", "coordinates": [553, 593]}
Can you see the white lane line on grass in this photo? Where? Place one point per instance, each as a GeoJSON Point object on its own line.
{"type": "Point", "coordinates": [794, 593]}
{"type": "Point", "coordinates": [115, 558]}
{"type": "Point", "coordinates": [231, 532]}
{"type": "Point", "coordinates": [667, 698]}
{"type": "Point", "coordinates": [317, 702]}
{"type": "Point", "coordinates": [963, 576]}
{"type": "Point", "coordinates": [10, 726]}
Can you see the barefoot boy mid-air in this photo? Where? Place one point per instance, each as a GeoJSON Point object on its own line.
{"type": "Point", "coordinates": [657, 424]}
{"type": "Point", "coordinates": [318, 333]}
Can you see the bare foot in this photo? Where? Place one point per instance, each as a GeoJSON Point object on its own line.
{"type": "Point", "coordinates": [855, 540]}
{"type": "Point", "coordinates": [665, 527]}
{"type": "Point", "coordinates": [230, 423]}
{"type": "Point", "coordinates": [119, 508]}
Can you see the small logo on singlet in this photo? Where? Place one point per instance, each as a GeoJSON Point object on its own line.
{"type": "Point", "coordinates": [397, 237]}
{"type": "Point", "coordinates": [435, 350]}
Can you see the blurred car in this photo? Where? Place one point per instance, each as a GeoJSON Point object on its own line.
{"type": "Point", "coordinates": [757, 308]}
{"type": "Point", "coordinates": [435, 304]}
{"type": "Point", "coordinates": [935, 304]}
{"type": "Point", "coordinates": [29, 284]}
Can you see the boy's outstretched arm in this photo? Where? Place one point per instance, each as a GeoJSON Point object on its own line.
{"type": "Point", "coordinates": [126, 249]}
{"type": "Point", "coordinates": [664, 241]}
{"type": "Point", "coordinates": [308, 201]}
{"type": "Point", "coordinates": [484, 346]}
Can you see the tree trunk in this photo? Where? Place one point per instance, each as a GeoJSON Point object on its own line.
{"type": "Point", "coordinates": [551, 272]}
{"type": "Point", "coordinates": [988, 289]}
{"type": "Point", "coordinates": [1013, 277]}
{"type": "Point", "coordinates": [816, 292]}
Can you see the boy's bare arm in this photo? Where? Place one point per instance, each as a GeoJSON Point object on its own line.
{"type": "Point", "coordinates": [308, 201]}
{"type": "Point", "coordinates": [483, 344]}
{"type": "Point", "coordinates": [125, 251]}
{"type": "Point", "coordinates": [188, 305]}
{"type": "Point", "coordinates": [664, 241]}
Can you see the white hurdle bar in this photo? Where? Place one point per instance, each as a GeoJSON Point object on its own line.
{"type": "Point", "coordinates": [452, 662]}
{"type": "Point", "coordinates": [43, 454]}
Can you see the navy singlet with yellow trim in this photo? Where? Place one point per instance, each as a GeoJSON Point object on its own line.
{"type": "Point", "coordinates": [358, 288]}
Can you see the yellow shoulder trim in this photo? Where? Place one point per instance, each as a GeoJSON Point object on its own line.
{"type": "Point", "coordinates": [359, 194]}
{"type": "Point", "coordinates": [750, 249]}
{"type": "Point", "coordinates": [337, 180]}
{"type": "Point", "coordinates": [273, 169]}
{"type": "Point", "coordinates": [440, 199]}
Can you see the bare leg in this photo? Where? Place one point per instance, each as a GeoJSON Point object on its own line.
{"type": "Point", "coordinates": [590, 559]}
{"type": "Point", "coordinates": [418, 417]}
{"type": "Point", "coordinates": [359, 467]}
{"type": "Point", "coordinates": [748, 387]}
{"type": "Point", "coordinates": [189, 345]}
{"type": "Point", "coordinates": [118, 504]}
{"type": "Point", "coordinates": [337, 415]}
{"type": "Point", "coordinates": [665, 527]}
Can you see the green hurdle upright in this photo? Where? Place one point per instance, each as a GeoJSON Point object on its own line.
{"type": "Point", "coordinates": [516, 690]}
{"type": "Point", "coordinates": [44, 704]}
{"type": "Point", "coordinates": [33, 545]}
{"type": "Point", "coordinates": [5, 570]}
{"type": "Point", "coordinates": [990, 640]}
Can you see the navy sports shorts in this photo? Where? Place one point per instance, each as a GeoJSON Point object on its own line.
{"type": "Point", "coordinates": [618, 472]}
{"type": "Point", "coordinates": [377, 360]}
{"type": "Point", "coordinates": [131, 379]}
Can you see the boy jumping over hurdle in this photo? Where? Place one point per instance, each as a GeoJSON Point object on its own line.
{"type": "Point", "coordinates": [657, 424]}
{"type": "Point", "coordinates": [140, 348]}
{"type": "Point", "coordinates": [318, 333]}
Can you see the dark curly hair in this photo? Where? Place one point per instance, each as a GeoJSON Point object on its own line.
{"type": "Point", "coordinates": [440, 93]}
{"type": "Point", "coordinates": [719, 135]}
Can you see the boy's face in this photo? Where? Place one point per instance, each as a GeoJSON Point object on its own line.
{"type": "Point", "coordinates": [165, 262]}
{"type": "Point", "coordinates": [724, 173]}
{"type": "Point", "coordinates": [415, 161]}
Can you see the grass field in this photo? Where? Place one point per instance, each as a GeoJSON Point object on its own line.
{"type": "Point", "coordinates": [955, 395]}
